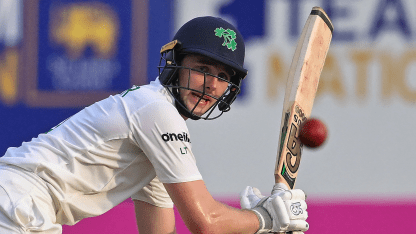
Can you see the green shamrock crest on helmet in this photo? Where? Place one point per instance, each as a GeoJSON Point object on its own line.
{"type": "Point", "coordinates": [229, 37]}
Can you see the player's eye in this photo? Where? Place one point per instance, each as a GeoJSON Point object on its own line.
{"type": "Point", "coordinates": [225, 76]}
{"type": "Point", "coordinates": [203, 69]}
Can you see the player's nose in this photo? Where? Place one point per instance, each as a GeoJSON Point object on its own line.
{"type": "Point", "coordinates": [211, 82]}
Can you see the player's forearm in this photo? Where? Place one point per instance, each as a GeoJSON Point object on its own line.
{"type": "Point", "coordinates": [220, 218]}
{"type": "Point", "coordinates": [203, 214]}
{"type": "Point", "coordinates": [216, 217]}
{"type": "Point", "coordinates": [226, 219]}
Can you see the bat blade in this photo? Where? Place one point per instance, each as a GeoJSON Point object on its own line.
{"type": "Point", "coordinates": [302, 84]}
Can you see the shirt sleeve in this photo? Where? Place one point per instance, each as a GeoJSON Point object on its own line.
{"type": "Point", "coordinates": [154, 193]}
{"type": "Point", "coordinates": [163, 136]}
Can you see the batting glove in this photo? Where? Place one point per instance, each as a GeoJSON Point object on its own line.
{"type": "Point", "coordinates": [283, 211]}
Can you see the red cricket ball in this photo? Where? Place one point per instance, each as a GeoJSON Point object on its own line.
{"type": "Point", "coordinates": [313, 133]}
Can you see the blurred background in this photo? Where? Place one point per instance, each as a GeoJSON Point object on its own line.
{"type": "Point", "coordinates": [59, 56]}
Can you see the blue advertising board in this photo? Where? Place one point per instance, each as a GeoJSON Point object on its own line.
{"type": "Point", "coordinates": [57, 57]}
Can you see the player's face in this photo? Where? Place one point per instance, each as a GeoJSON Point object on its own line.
{"type": "Point", "coordinates": [197, 80]}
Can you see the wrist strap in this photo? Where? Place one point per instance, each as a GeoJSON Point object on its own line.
{"type": "Point", "coordinates": [265, 219]}
{"type": "Point", "coordinates": [261, 221]}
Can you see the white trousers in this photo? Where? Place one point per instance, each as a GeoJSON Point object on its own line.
{"type": "Point", "coordinates": [25, 205]}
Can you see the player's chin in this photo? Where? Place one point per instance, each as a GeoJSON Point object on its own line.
{"type": "Point", "coordinates": [200, 109]}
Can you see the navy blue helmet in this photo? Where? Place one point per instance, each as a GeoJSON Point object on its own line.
{"type": "Point", "coordinates": [211, 37]}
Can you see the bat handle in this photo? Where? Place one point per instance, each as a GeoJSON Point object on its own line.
{"type": "Point", "coordinates": [279, 179]}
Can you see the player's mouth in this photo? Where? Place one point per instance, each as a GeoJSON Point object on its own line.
{"type": "Point", "coordinates": [202, 99]}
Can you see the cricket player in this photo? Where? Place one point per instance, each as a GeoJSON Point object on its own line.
{"type": "Point", "coordinates": [136, 145]}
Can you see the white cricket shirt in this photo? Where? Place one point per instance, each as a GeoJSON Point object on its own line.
{"type": "Point", "coordinates": [111, 151]}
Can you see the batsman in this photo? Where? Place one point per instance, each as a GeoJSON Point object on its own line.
{"type": "Point", "coordinates": [136, 145]}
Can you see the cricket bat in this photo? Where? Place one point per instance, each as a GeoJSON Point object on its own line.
{"type": "Point", "coordinates": [301, 87]}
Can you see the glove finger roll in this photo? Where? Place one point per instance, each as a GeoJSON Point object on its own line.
{"type": "Point", "coordinates": [298, 225]}
{"type": "Point", "coordinates": [298, 194]}
{"type": "Point", "coordinates": [296, 209]}
{"type": "Point", "coordinates": [280, 218]}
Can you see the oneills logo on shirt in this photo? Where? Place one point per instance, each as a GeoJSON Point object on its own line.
{"type": "Point", "coordinates": [176, 137]}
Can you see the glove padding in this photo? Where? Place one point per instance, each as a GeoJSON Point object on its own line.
{"type": "Point", "coordinates": [283, 211]}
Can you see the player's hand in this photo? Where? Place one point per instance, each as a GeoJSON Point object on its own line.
{"type": "Point", "coordinates": [283, 211]}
